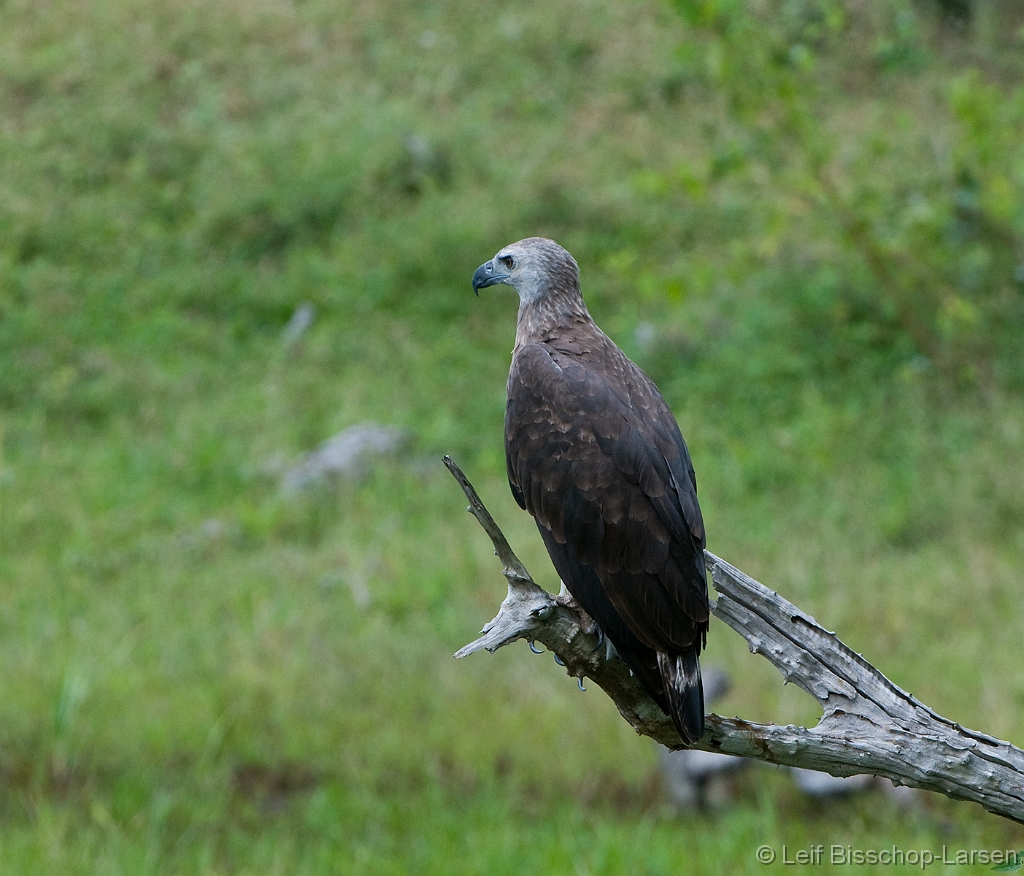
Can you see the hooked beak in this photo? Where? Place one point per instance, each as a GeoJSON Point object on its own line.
{"type": "Point", "coordinates": [485, 276]}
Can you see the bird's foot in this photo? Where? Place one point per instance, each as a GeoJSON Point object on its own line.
{"type": "Point", "coordinates": [587, 624]}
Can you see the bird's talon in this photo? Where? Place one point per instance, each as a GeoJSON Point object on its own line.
{"type": "Point", "coordinates": [559, 660]}
{"type": "Point", "coordinates": [534, 648]}
{"type": "Point", "coordinates": [579, 682]}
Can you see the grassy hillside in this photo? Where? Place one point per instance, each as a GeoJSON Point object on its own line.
{"type": "Point", "coordinates": [805, 220]}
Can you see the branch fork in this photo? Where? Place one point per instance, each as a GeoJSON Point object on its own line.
{"type": "Point", "coordinates": [868, 726]}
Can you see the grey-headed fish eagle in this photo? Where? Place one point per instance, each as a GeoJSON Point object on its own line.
{"type": "Point", "coordinates": [595, 455]}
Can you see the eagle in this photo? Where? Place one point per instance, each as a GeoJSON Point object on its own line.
{"type": "Point", "coordinates": [594, 454]}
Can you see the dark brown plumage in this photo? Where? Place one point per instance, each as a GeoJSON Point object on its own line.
{"type": "Point", "coordinates": [595, 455]}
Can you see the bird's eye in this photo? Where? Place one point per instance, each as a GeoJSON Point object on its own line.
{"type": "Point", "coordinates": [508, 261]}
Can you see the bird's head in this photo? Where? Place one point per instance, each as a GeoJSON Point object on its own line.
{"type": "Point", "coordinates": [535, 267]}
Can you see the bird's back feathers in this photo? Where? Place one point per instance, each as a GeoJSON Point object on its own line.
{"type": "Point", "coordinates": [595, 455]}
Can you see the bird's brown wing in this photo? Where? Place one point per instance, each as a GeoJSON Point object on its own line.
{"type": "Point", "coordinates": [594, 454]}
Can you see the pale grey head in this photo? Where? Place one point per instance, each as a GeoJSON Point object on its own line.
{"type": "Point", "coordinates": [537, 268]}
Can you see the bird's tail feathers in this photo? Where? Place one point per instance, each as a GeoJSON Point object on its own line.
{"type": "Point", "coordinates": [680, 674]}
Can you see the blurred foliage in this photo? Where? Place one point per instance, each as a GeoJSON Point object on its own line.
{"type": "Point", "coordinates": [906, 218]}
{"type": "Point", "coordinates": [803, 219]}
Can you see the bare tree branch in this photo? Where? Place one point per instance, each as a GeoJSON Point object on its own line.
{"type": "Point", "coordinates": [868, 725]}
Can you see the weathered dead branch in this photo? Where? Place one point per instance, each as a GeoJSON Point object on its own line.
{"type": "Point", "coordinates": [868, 725]}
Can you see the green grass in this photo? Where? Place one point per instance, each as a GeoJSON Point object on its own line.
{"type": "Point", "coordinates": [202, 675]}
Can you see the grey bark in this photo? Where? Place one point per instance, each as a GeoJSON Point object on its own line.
{"type": "Point", "coordinates": [868, 726]}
